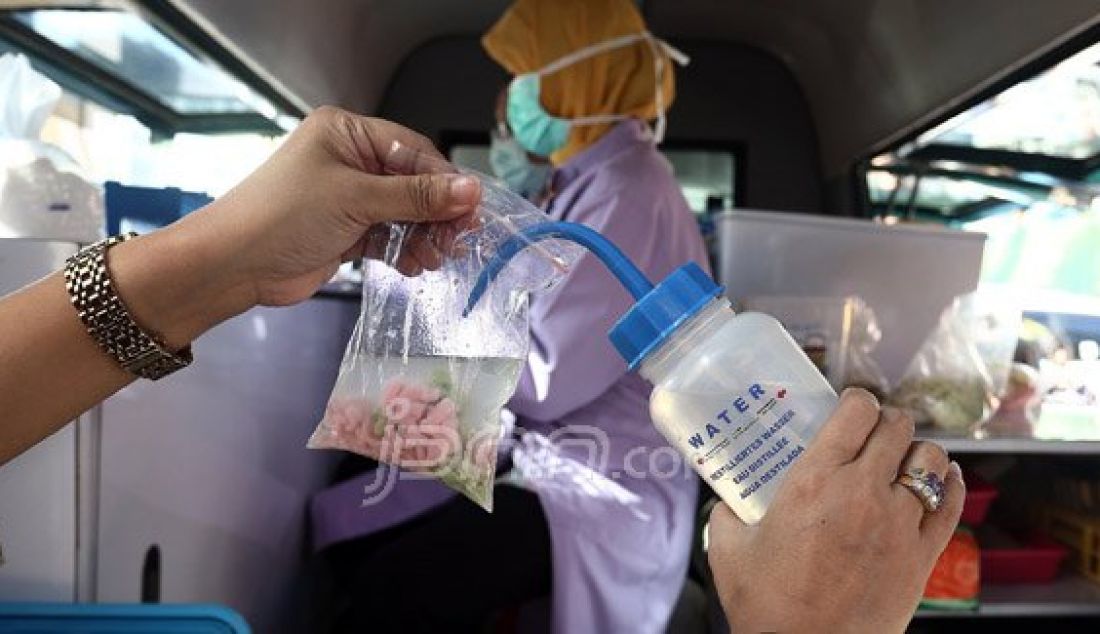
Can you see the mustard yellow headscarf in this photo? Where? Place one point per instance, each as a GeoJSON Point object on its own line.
{"type": "Point", "coordinates": [533, 33]}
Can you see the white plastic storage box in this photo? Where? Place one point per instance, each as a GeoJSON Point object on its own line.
{"type": "Point", "coordinates": [907, 274]}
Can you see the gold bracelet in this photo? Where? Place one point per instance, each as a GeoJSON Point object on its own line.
{"type": "Point", "coordinates": [108, 322]}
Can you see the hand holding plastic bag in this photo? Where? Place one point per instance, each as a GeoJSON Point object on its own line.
{"type": "Point", "coordinates": [421, 385]}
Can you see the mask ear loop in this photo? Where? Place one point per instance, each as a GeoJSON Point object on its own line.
{"type": "Point", "coordinates": [591, 51]}
{"type": "Point", "coordinates": [585, 53]}
{"type": "Point", "coordinates": [659, 93]}
{"type": "Point", "coordinates": [656, 47]}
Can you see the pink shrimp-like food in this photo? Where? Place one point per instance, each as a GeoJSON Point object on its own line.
{"type": "Point", "coordinates": [415, 427]}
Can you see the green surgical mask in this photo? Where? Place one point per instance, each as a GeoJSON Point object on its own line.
{"type": "Point", "coordinates": [511, 164]}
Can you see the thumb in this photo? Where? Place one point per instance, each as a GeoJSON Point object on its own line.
{"type": "Point", "coordinates": [417, 198]}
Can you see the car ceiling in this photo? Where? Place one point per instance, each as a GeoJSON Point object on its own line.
{"type": "Point", "coordinates": [872, 70]}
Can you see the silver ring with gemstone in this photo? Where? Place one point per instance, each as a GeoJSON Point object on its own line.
{"type": "Point", "coordinates": [927, 486]}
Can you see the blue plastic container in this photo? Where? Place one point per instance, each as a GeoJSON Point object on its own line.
{"type": "Point", "coordinates": [143, 209]}
{"type": "Point", "coordinates": [96, 618]}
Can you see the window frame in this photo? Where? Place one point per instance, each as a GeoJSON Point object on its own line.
{"type": "Point", "coordinates": [90, 81]}
{"type": "Point", "coordinates": [1023, 167]}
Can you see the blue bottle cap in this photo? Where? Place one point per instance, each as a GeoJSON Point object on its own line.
{"type": "Point", "coordinates": [653, 319]}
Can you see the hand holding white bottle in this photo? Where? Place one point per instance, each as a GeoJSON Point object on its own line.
{"type": "Point", "coordinates": [843, 548]}
{"type": "Point", "coordinates": [739, 399]}
{"type": "Point", "coordinates": [857, 518]}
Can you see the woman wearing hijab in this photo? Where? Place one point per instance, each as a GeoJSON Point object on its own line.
{"type": "Point", "coordinates": [588, 78]}
{"type": "Point", "coordinates": [597, 510]}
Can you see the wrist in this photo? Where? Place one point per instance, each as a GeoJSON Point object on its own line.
{"type": "Point", "coordinates": [176, 283]}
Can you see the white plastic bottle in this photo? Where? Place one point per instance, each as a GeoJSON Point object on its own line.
{"type": "Point", "coordinates": [733, 393]}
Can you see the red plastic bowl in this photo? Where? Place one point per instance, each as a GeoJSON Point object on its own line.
{"type": "Point", "coordinates": [1036, 561]}
{"type": "Point", "coordinates": [979, 495]}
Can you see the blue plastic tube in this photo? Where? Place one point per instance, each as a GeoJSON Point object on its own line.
{"type": "Point", "coordinates": [616, 261]}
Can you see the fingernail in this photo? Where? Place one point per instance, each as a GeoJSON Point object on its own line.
{"type": "Point", "coordinates": [956, 470]}
{"type": "Point", "coordinates": [856, 392]}
{"type": "Point", "coordinates": [465, 192]}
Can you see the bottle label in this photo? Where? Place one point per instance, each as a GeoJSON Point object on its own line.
{"type": "Point", "coordinates": [749, 443]}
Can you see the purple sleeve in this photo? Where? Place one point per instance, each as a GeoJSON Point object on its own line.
{"type": "Point", "coordinates": [571, 361]}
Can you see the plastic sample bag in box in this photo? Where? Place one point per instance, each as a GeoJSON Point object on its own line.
{"type": "Point", "coordinates": [956, 379]}
{"type": "Point", "coordinates": [421, 384]}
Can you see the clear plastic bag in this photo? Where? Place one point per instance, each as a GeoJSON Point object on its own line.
{"type": "Point", "coordinates": [1021, 404]}
{"type": "Point", "coordinates": [421, 386]}
{"type": "Point", "coordinates": [43, 192]}
{"type": "Point", "coordinates": [839, 334]}
{"type": "Point", "coordinates": [956, 379]}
